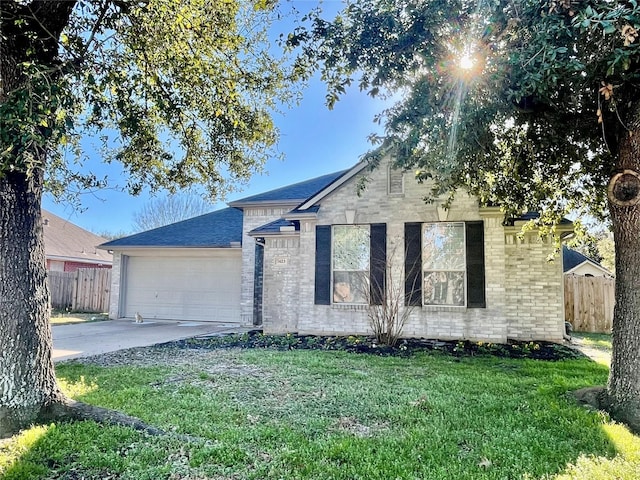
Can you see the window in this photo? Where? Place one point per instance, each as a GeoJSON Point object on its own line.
{"type": "Point", "coordinates": [444, 264]}
{"type": "Point", "coordinates": [349, 260]}
{"type": "Point", "coordinates": [444, 267]}
{"type": "Point", "coordinates": [350, 263]}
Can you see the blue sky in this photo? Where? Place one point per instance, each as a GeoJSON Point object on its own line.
{"type": "Point", "coordinates": [314, 140]}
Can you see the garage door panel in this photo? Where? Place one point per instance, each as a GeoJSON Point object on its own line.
{"type": "Point", "coordinates": [184, 288]}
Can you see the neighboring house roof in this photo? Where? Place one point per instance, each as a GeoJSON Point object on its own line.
{"type": "Point", "coordinates": [65, 241]}
{"type": "Point", "coordinates": [219, 229]}
{"type": "Point", "coordinates": [296, 193]}
{"type": "Point", "coordinates": [571, 259]}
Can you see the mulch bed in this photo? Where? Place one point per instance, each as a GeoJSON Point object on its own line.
{"type": "Point", "coordinates": [364, 344]}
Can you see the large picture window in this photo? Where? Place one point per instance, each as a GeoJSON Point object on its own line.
{"type": "Point", "coordinates": [351, 263]}
{"type": "Point", "coordinates": [443, 264]}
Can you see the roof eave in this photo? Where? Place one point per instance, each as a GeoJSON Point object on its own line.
{"type": "Point", "coordinates": [158, 247]}
{"type": "Point", "coordinates": [64, 258]}
{"type": "Point", "coordinates": [266, 203]}
{"type": "Point", "coordinates": [300, 215]}
{"type": "Point", "coordinates": [588, 262]}
{"type": "Point", "coordinates": [274, 234]}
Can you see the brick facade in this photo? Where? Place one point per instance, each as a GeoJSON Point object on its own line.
{"type": "Point", "coordinates": [254, 217]}
{"type": "Point", "coordinates": [524, 293]}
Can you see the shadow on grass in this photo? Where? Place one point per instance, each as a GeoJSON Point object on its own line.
{"type": "Point", "coordinates": [319, 414]}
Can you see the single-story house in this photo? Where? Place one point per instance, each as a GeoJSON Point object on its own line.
{"type": "Point", "coordinates": [309, 257]}
{"type": "Point", "coordinates": [575, 263]}
{"type": "Point", "coordinates": [67, 247]}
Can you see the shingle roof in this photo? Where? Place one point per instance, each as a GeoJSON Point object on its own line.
{"type": "Point", "coordinates": [220, 228]}
{"type": "Point", "coordinates": [275, 227]}
{"type": "Point", "coordinates": [572, 258]}
{"type": "Point", "coordinates": [63, 239]}
{"type": "Point", "coordinates": [214, 230]}
{"type": "Point", "coordinates": [297, 192]}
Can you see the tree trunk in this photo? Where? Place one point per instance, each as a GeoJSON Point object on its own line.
{"type": "Point", "coordinates": [27, 382]}
{"type": "Point", "coordinates": [623, 390]}
{"type": "Point", "coordinates": [28, 389]}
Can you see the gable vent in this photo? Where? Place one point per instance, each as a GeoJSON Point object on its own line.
{"type": "Point", "coordinates": [396, 181]}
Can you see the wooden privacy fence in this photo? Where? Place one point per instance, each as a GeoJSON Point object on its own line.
{"type": "Point", "coordinates": [85, 290]}
{"type": "Point", "coordinates": [588, 303]}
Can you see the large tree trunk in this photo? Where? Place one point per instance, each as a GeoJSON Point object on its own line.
{"type": "Point", "coordinates": [27, 382]}
{"type": "Point", "coordinates": [28, 387]}
{"type": "Point", "coordinates": [27, 379]}
{"type": "Point", "coordinates": [623, 390]}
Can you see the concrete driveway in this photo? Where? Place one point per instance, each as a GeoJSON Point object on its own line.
{"type": "Point", "coordinates": [93, 338]}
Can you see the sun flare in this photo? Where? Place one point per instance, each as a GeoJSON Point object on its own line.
{"type": "Point", "coordinates": [466, 62]}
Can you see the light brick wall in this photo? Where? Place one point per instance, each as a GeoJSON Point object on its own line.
{"type": "Point", "coordinates": [535, 297]}
{"type": "Point", "coordinates": [524, 292]}
{"type": "Point", "coordinates": [281, 284]}
{"type": "Point", "coordinates": [114, 295]}
{"type": "Point", "coordinates": [254, 217]}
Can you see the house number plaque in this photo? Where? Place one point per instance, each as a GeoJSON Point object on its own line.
{"type": "Point", "coordinates": [624, 188]}
{"type": "Point", "coordinates": [280, 261]}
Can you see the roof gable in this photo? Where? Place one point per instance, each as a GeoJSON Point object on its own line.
{"type": "Point", "coordinates": [572, 258]}
{"type": "Point", "coordinates": [219, 229]}
{"type": "Point", "coordinates": [63, 239]}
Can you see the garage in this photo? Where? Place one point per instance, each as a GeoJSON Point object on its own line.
{"type": "Point", "coordinates": [201, 287]}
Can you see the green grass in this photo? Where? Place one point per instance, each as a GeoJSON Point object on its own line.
{"type": "Point", "coordinates": [60, 317]}
{"type": "Point", "coordinates": [264, 414]}
{"type": "Point", "coordinates": [600, 341]}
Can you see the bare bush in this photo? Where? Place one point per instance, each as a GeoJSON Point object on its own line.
{"type": "Point", "coordinates": [388, 309]}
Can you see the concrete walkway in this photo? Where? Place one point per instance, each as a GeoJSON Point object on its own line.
{"type": "Point", "coordinates": [599, 355]}
{"type": "Point", "coordinates": [93, 338]}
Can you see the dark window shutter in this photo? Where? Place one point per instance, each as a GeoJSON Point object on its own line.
{"type": "Point", "coordinates": [323, 265]}
{"type": "Point", "coordinates": [378, 262]}
{"type": "Point", "coordinates": [475, 265]}
{"type": "Point", "coordinates": [413, 264]}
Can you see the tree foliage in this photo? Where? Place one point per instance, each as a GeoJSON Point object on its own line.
{"type": "Point", "coordinates": [536, 120]}
{"type": "Point", "coordinates": [162, 211]}
{"type": "Point", "coordinates": [531, 105]}
{"type": "Point", "coordinates": [179, 92]}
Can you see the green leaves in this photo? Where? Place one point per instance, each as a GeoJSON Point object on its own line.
{"type": "Point", "coordinates": [522, 130]}
{"type": "Point", "coordinates": [179, 91]}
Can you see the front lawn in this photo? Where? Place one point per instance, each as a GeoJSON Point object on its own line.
{"type": "Point", "coordinates": [297, 414]}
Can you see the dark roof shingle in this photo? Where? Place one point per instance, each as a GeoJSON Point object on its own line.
{"type": "Point", "coordinates": [294, 193]}
{"type": "Point", "coordinates": [275, 227]}
{"type": "Point", "coordinates": [572, 258]}
{"type": "Point", "coordinates": [216, 229]}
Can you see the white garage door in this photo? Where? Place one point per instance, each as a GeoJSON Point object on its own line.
{"type": "Point", "coordinates": [184, 288]}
